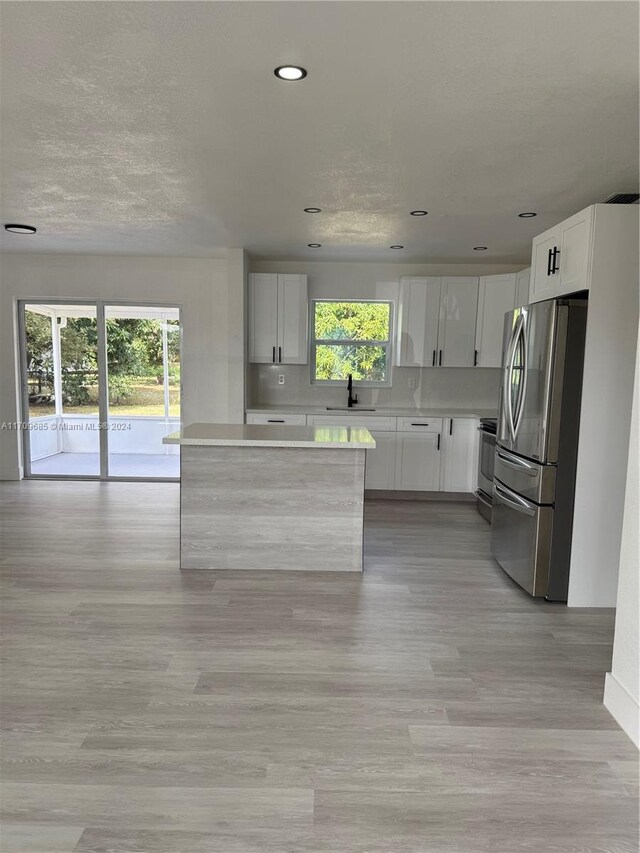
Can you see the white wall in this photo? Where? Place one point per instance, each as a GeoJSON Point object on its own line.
{"type": "Point", "coordinates": [605, 415]}
{"type": "Point", "coordinates": [210, 292]}
{"type": "Point", "coordinates": [622, 684]}
{"type": "Point", "coordinates": [353, 280]}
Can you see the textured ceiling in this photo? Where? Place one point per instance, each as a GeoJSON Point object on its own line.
{"type": "Point", "coordinates": [159, 128]}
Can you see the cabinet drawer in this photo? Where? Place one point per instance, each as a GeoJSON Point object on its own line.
{"type": "Point", "coordinates": [419, 424]}
{"type": "Point", "coordinates": [277, 418]}
{"type": "Point", "coordinates": [372, 423]}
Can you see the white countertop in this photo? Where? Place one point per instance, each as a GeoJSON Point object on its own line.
{"type": "Point", "coordinates": [440, 412]}
{"type": "Point", "coordinates": [272, 435]}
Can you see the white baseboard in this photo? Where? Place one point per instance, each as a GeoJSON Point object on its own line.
{"type": "Point", "coordinates": [622, 707]}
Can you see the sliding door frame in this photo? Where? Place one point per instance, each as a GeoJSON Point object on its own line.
{"type": "Point", "coordinates": [103, 384]}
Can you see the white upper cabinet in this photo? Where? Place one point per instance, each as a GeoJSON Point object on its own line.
{"type": "Point", "coordinates": [459, 455]}
{"type": "Point", "coordinates": [496, 296]}
{"type": "Point", "coordinates": [522, 287]}
{"type": "Point", "coordinates": [278, 318]}
{"type": "Point", "coordinates": [418, 315]}
{"type": "Point", "coordinates": [437, 321]}
{"type": "Point", "coordinates": [293, 317]}
{"type": "Point", "coordinates": [457, 323]}
{"type": "Point", "coordinates": [560, 259]}
{"type": "Point", "coordinates": [263, 317]}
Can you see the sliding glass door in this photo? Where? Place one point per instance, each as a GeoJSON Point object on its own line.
{"type": "Point", "coordinates": [143, 370]}
{"type": "Point", "coordinates": [101, 388]}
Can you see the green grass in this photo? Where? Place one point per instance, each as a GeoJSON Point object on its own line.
{"type": "Point", "coordinates": [147, 399]}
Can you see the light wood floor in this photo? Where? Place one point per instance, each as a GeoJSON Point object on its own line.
{"type": "Point", "coordinates": [427, 707]}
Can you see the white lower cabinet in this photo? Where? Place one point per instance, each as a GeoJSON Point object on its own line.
{"type": "Point", "coordinates": [412, 454]}
{"type": "Point", "coordinates": [380, 467]}
{"type": "Point", "coordinates": [381, 463]}
{"type": "Point", "coordinates": [418, 461]}
{"type": "Point", "coordinates": [459, 455]}
{"type": "Point", "coordinates": [418, 452]}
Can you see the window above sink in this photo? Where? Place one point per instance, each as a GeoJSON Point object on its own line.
{"type": "Point", "coordinates": [351, 337]}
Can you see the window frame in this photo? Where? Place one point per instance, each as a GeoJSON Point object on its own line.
{"type": "Point", "coordinates": [388, 344]}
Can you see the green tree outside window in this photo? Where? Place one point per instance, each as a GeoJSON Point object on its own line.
{"type": "Point", "coordinates": [351, 338]}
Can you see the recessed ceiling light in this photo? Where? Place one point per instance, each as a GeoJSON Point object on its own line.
{"type": "Point", "coordinates": [479, 248]}
{"type": "Point", "coordinates": [290, 72]}
{"type": "Point", "coordinates": [312, 210]}
{"type": "Point", "coordinates": [527, 215]}
{"type": "Point", "coordinates": [396, 247]}
{"type": "Point", "coordinates": [314, 245]}
{"type": "Point", "coordinates": [419, 212]}
{"type": "Point", "coordinates": [19, 229]}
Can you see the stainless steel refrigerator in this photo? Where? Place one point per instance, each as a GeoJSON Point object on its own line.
{"type": "Point", "coordinates": [537, 444]}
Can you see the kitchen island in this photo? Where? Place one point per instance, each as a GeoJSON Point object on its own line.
{"type": "Point", "coordinates": [271, 496]}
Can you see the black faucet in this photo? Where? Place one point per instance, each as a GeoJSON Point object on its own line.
{"type": "Point", "coordinates": [352, 398]}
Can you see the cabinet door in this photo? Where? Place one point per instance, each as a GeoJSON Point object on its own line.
{"type": "Point", "coordinates": [263, 317]}
{"type": "Point", "coordinates": [496, 296]}
{"type": "Point", "coordinates": [572, 240]}
{"type": "Point", "coordinates": [575, 252]}
{"type": "Point", "coordinates": [381, 462]}
{"type": "Point", "coordinates": [419, 308]}
{"type": "Point", "coordinates": [418, 461]}
{"type": "Point", "coordinates": [543, 280]}
{"type": "Point", "coordinates": [457, 326]}
{"type": "Point", "coordinates": [460, 455]}
{"type": "Point", "coordinates": [522, 288]}
{"type": "Point", "coordinates": [293, 316]}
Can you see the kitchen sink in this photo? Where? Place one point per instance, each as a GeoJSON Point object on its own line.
{"type": "Point", "coordinates": [348, 409]}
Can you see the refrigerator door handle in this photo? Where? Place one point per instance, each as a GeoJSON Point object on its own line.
{"type": "Point", "coordinates": [513, 500]}
{"type": "Point", "coordinates": [509, 375]}
{"type": "Point", "coordinates": [523, 378]}
{"type": "Point", "coordinates": [519, 464]}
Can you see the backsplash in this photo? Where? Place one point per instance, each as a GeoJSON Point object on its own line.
{"type": "Point", "coordinates": [455, 387]}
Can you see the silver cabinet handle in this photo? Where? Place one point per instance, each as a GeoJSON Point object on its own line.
{"type": "Point", "coordinates": [513, 500]}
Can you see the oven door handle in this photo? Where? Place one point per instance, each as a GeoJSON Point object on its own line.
{"type": "Point", "coordinates": [513, 500]}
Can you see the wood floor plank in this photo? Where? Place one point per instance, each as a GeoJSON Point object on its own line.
{"type": "Point", "coordinates": [427, 706]}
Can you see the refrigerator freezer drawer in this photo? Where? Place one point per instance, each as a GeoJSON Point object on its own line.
{"type": "Point", "coordinates": [526, 477]}
{"type": "Point", "coordinates": [521, 539]}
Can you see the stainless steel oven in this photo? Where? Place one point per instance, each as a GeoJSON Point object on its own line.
{"type": "Point", "coordinates": [486, 461]}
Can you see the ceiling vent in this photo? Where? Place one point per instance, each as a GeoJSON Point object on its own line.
{"type": "Point", "coordinates": [623, 198]}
